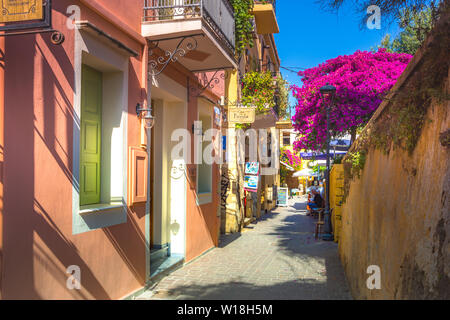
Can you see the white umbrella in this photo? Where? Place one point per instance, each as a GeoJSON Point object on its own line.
{"type": "Point", "coordinates": [304, 173]}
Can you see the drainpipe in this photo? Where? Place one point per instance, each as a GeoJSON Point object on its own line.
{"type": "Point", "coordinates": [147, 80]}
{"type": "Point", "coordinates": [148, 204]}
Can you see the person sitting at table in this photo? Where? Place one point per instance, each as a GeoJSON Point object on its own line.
{"type": "Point", "coordinates": [317, 202]}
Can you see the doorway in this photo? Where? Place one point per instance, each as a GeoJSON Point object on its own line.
{"type": "Point", "coordinates": [169, 187]}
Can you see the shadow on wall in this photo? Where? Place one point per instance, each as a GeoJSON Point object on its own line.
{"type": "Point", "coordinates": [37, 236]}
{"type": "Point", "coordinates": [130, 250]}
{"type": "Point", "coordinates": [32, 239]}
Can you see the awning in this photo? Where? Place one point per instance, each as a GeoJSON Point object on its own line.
{"type": "Point", "coordinates": [287, 166]}
{"type": "Point", "coordinates": [320, 156]}
{"type": "Point", "coordinates": [304, 173]}
{"type": "Point", "coordinates": [340, 143]}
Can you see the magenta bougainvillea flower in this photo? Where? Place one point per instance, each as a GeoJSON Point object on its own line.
{"type": "Point", "coordinates": [291, 159]}
{"type": "Point", "coordinates": [362, 80]}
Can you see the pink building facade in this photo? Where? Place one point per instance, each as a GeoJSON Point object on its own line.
{"type": "Point", "coordinates": [45, 228]}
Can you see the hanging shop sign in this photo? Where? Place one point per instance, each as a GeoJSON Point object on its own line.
{"type": "Point", "coordinates": [19, 17]}
{"type": "Point", "coordinates": [21, 10]}
{"type": "Point", "coordinates": [241, 115]}
{"type": "Point", "coordinates": [251, 179]}
{"type": "Point", "coordinates": [252, 168]}
{"type": "Point", "coordinates": [282, 197]}
{"type": "Point", "coordinates": [251, 183]}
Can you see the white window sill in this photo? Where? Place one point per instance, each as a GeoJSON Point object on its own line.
{"type": "Point", "coordinates": [98, 208]}
{"type": "Point", "coordinates": [204, 198]}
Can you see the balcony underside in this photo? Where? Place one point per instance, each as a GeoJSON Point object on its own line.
{"type": "Point", "coordinates": [266, 19]}
{"type": "Point", "coordinates": [211, 53]}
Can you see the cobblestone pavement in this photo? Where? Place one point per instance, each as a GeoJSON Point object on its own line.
{"type": "Point", "coordinates": [275, 259]}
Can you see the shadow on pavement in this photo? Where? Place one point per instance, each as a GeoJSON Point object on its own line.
{"type": "Point", "coordinates": [238, 290]}
{"type": "Point", "coordinates": [286, 263]}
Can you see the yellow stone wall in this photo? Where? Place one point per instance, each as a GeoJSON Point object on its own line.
{"type": "Point", "coordinates": [232, 217]}
{"type": "Point", "coordinates": [396, 217]}
{"type": "Point", "coordinates": [336, 198]}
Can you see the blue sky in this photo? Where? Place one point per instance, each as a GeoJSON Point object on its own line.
{"type": "Point", "coordinates": [309, 36]}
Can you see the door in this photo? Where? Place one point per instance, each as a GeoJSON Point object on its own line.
{"type": "Point", "coordinates": [91, 131]}
{"type": "Point", "coordinates": [178, 189]}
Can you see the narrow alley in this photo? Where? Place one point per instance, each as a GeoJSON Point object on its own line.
{"type": "Point", "coordinates": [275, 259]}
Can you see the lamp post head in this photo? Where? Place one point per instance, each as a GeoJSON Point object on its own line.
{"type": "Point", "coordinates": [328, 90]}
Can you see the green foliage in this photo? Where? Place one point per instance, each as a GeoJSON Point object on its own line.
{"type": "Point", "coordinates": [242, 126]}
{"type": "Point", "coordinates": [263, 91]}
{"type": "Point", "coordinates": [258, 91]}
{"type": "Point", "coordinates": [282, 86]}
{"type": "Point", "coordinates": [338, 159]}
{"type": "Point", "coordinates": [243, 24]}
{"type": "Point", "coordinates": [319, 169]}
{"type": "Point", "coordinates": [416, 25]}
{"type": "Point", "coordinates": [357, 160]}
{"type": "Point", "coordinates": [390, 9]}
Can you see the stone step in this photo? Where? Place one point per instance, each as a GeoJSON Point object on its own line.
{"type": "Point", "coordinates": [157, 254]}
{"type": "Point", "coordinates": [164, 266]}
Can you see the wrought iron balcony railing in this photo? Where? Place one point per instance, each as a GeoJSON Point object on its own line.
{"type": "Point", "coordinates": [218, 14]}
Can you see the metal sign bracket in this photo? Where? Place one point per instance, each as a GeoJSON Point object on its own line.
{"type": "Point", "coordinates": [33, 27]}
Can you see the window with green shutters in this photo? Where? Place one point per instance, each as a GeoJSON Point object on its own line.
{"type": "Point", "coordinates": [91, 132]}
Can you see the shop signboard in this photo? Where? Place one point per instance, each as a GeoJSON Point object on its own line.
{"type": "Point", "coordinates": [283, 197]}
{"type": "Point", "coordinates": [251, 179]}
{"type": "Point", "coordinates": [24, 14]}
{"type": "Point", "coordinates": [251, 183]}
{"type": "Point", "coordinates": [252, 168]}
{"type": "Point", "coordinates": [241, 115]}
{"type": "Point", "coordinates": [21, 10]}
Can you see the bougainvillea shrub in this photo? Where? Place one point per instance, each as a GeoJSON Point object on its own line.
{"type": "Point", "coordinates": [291, 159]}
{"type": "Point", "coordinates": [362, 80]}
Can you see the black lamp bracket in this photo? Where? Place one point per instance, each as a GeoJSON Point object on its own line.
{"type": "Point", "coordinates": [33, 27]}
{"type": "Point", "coordinates": [140, 110]}
{"type": "Point", "coordinates": [158, 64]}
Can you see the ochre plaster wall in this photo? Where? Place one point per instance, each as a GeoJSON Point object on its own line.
{"type": "Point", "coordinates": [397, 217]}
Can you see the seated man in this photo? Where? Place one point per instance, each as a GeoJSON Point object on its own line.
{"type": "Point", "coordinates": [317, 201]}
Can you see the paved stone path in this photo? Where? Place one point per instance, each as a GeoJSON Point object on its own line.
{"type": "Point", "coordinates": [275, 259]}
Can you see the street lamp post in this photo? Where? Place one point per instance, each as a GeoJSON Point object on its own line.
{"type": "Point", "coordinates": [328, 91]}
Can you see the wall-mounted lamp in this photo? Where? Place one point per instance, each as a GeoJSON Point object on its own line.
{"type": "Point", "coordinates": [146, 115]}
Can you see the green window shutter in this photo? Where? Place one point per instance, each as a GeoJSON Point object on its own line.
{"type": "Point", "coordinates": [91, 132]}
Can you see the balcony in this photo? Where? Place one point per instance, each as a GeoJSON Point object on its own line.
{"type": "Point", "coordinates": [210, 22]}
{"type": "Point", "coordinates": [265, 16]}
